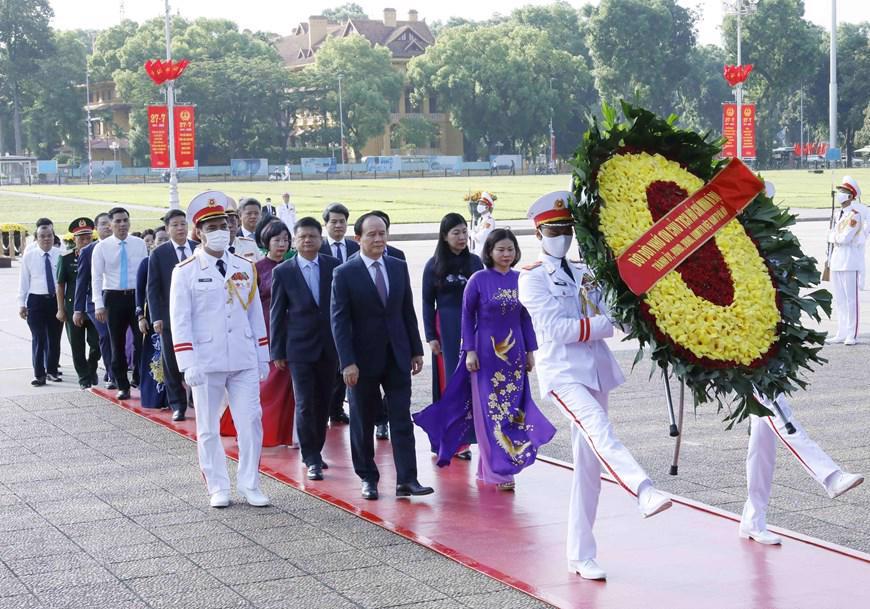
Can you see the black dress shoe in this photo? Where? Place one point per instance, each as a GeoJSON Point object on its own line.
{"type": "Point", "coordinates": [323, 465]}
{"type": "Point", "coordinates": [340, 419]}
{"type": "Point", "coordinates": [177, 415]}
{"type": "Point", "coordinates": [413, 488]}
{"type": "Point", "coordinates": [369, 490]}
{"type": "Point", "coordinates": [84, 386]}
{"type": "Point", "coordinates": [464, 455]}
{"type": "Point", "coordinates": [135, 384]}
{"type": "Point", "coordinates": [315, 472]}
{"type": "Point", "coordinates": [381, 432]}
{"type": "Point", "coordinates": [54, 377]}
{"type": "Point", "coordinates": [124, 394]}
{"type": "Point", "coordinates": [111, 385]}
{"type": "Point", "coordinates": [39, 381]}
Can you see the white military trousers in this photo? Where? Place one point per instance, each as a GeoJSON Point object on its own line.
{"type": "Point", "coordinates": [846, 287]}
{"type": "Point", "coordinates": [242, 387]}
{"type": "Point", "coordinates": [761, 458]}
{"type": "Point", "coordinates": [595, 446]}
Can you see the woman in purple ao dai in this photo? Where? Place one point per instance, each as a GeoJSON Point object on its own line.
{"type": "Point", "coordinates": [488, 396]}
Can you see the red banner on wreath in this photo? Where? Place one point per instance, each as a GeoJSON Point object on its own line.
{"type": "Point", "coordinates": [689, 225]}
{"type": "Point", "coordinates": [185, 138]}
{"type": "Point", "coordinates": [158, 136]}
{"type": "Point", "coordinates": [729, 130]}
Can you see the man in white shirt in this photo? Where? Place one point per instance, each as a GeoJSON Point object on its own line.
{"type": "Point", "coordinates": [287, 212]}
{"type": "Point", "coordinates": [113, 279]}
{"type": "Point", "coordinates": [848, 237]}
{"type": "Point", "coordinates": [38, 306]}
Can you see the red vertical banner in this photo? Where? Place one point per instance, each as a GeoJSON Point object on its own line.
{"type": "Point", "coordinates": [185, 138]}
{"type": "Point", "coordinates": [158, 136]}
{"type": "Point", "coordinates": [748, 130]}
{"type": "Point", "coordinates": [729, 130]}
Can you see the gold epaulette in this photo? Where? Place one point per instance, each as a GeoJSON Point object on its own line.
{"type": "Point", "coordinates": [242, 257]}
{"type": "Point", "coordinates": [530, 267]}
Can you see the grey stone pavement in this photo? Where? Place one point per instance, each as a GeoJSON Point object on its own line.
{"type": "Point", "coordinates": [102, 508]}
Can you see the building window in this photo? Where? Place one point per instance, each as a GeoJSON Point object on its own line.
{"type": "Point", "coordinates": [433, 103]}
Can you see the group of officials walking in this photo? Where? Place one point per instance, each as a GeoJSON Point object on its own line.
{"type": "Point", "coordinates": [341, 319]}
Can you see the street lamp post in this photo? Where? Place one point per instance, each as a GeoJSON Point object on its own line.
{"type": "Point", "coordinates": [739, 8]}
{"type": "Point", "coordinates": [170, 109]}
{"type": "Point", "coordinates": [88, 111]}
{"type": "Point", "coordinates": [552, 163]}
{"type": "Point", "coordinates": [341, 123]}
{"type": "Point", "coordinates": [832, 85]}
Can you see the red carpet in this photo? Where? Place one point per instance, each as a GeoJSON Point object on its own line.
{"type": "Point", "coordinates": [688, 557]}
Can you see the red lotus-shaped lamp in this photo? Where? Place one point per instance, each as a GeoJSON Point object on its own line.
{"type": "Point", "coordinates": [161, 71]}
{"type": "Point", "coordinates": [736, 74]}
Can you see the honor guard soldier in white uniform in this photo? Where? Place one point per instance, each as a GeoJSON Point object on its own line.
{"type": "Point", "coordinates": [220, 343]}
{"type": "Point", "coordinates": [761, 458]}
{"type": "Point", "coordinates": [848, 237]}
{"type": "Point", "coordinates": [577, 371]}
{"type": "Point", "coordinates": [485, 223]}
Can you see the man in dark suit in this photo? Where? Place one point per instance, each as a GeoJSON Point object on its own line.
{"type": "Point", "coordinates": [83, 305]}
{"type": "Point", "coordinates": [301, 337]}
{"type": "Point", "coordinates": [379, 346]}
{"type": "Point", "coordinates": [160, 265]}
{"type": "Point", "coordinates": [335, 218]}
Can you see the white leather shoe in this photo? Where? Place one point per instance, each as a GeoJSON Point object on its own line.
{"type": "Point", "coordinates": [840, 482]}
{"type": "Point", "coordinates": [764, 537]}
{"type": "Point", "coordinates": [833, 339]}
{"type": "Point", "coordinates": [850, 341]}
{"type": "Point", "coordinates": [587, 569]}
{"type": "Point", "coordinates": [651, 502]}
{"type": "Point", "coordinates": [220, 499]}
{"type": "Point", "coordinates": [254, 497]}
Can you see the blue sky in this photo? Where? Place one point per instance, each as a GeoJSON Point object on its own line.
{"type": "Point", "coordinates": [280, 17]}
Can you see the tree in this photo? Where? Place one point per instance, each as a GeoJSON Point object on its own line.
{"type": "Point", "coordinates": [25, 38]}
{"type": "Point", "coordinates": [700, 95]}
{"type": "Point", "coordinates": [502, 83]}
{"type": "Point", "coordinates": [369, 82]}
{"type": "Point", "coordinates": [416, 131]}
{"type": "Point", "coordinates": [340, 14]}
{"type": "Point", "coordinates": [561, 21]}
{"type": "Point", "coordinates": [640, 50]}
{"type": "Point", "coordinates": [54, 113]}
{"type": "Point", "coordinates": [853, 72]}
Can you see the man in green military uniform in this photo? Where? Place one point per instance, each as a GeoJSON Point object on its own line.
{"type": "Point", "coordinates": [67, 267]}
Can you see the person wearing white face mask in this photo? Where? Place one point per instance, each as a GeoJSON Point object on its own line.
{"type": "Point", "coordinates": [485, 223]}
{"type": "Point", "coordinates": [576, 370]}
{"type": "Point", "coordinates": [848, 237]}
{"type": "Point", "coordinates": [220, 343]}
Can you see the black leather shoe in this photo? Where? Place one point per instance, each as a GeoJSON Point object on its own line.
{"type": "Point", "coordinates": [381, 432]}
{"type": "Point", "coordinates": [134, 384]}
{"type": "Point", "coordinates": [38, 381]}
{"type": "Point", "coordinates": [124, 394]}
{"type": "Point", "coordinates": [111, 385]}
{"type": "Point", "coordinates": [413, 488]}
{"type": "Point", "coordinates": [315, 472]}
{"type": "Point", "coordinates": [177, 415]}
{"type": "Point", "coordinates": [54, 378]}
{"type": "Point", "coordinates": [323, 464]}
{"type": "Point", "coordinates": [340, 419]}
{"type": "Point", "coordinates": [369, 490]}
{"type": "Point", "coordinates": [84, 386]}
{"type": "Point", "coordinates": [464, 455]}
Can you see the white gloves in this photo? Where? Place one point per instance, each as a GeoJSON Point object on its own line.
{"type": "Point", "coordinates": [194, 376]}
{"type": "Point", "coordinates": [264, 370]}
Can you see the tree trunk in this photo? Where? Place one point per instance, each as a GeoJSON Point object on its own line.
{"type": "Point", "coordinates": [16, 118]}
{"type": "Point", "coordinates": [2, 143]}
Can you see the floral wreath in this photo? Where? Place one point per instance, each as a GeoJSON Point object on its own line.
{"type": "Point", "coordinates": [727, 320]}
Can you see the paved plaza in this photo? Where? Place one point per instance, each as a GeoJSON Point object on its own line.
{"type": "Point", "coordinates": [102, 508]}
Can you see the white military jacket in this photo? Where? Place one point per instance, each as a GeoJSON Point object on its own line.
{"type": "Point", "coordinates": [570, 324]}
{"type": "Point", "coordinates": [217, 322]}
{"type": "Point", "coordinates": [246, 248]}
{"type": "Point", "coordinates": [848, 237]}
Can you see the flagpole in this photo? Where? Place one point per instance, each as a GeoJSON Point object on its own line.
{"type": "Point", "coordinates": [170, 109]}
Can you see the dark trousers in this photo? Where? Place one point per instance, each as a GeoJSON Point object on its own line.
{"type": "Point", "coordinates": [105, 343]}
{"type": "Point", "coordinates": [172, 377]}
{"type": "Point", "coordinates": [366, 404]}
{"type": "Point", "coordinates": [336, 400]}
{"type": "Point", "coordinates": [84, 343]}
{"type": "Point", "coordinates": [121, 308]}
{"type": "Point", "coordinates": [45, 330]}
{"type": "Point", "coordinates": [312, 389]}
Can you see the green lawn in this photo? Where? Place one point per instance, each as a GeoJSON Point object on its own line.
{"type": "Point", "coordinates": [407, 200]}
